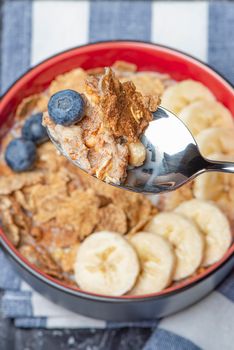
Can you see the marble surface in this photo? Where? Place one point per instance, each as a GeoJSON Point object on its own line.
{"type": "Point", "coordinates": [12, 338]}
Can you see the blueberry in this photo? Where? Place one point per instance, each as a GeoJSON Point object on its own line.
{"type": "Point", "coordinates": [20, 154]}
{"type": "Point", "coordinates": [34, 130]}
{"type": "Point", "coordinates": [66, 107]}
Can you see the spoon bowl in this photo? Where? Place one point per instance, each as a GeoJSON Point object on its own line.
{"type": "Point", "coordinates": [172, 157]}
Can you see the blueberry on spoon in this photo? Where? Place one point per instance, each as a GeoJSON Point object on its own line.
{"type": "Point", "coordinates": [33, 129]}
{"type": "Point", "coordinates": [66, 107]}
{"type": "Point", "coordinates": [20, 154]}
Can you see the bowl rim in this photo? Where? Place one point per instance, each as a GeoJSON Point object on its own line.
{"type": "Point", "coordinates": [75, 291]}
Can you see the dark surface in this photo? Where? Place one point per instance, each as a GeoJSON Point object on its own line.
{"type": "Point", "coordinates": [12, 338]}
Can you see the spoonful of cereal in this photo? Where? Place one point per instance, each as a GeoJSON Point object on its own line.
{"type": "Point", "coordinates": [123, 138]}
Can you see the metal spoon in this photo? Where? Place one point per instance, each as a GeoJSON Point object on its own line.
{"type": "Point", "coordinates": [173, 157]}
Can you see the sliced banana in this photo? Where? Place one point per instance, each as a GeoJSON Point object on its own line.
{"type": "Point", "coordinates": [106, 263]}
{"type": "Point", "coordinates": [157, 263]}
{"type": "Point", "coordinates": [218, 187]}
{"type": "Point", "coordinates": [178, 96]}
{"type": "Point", "coordinates": [212, 223]}
{"type": "Point", "coordinates": [186, 239]}
{"type": "Point", "coordinates": [216, 140]}
{"type": "Point", "coordinates": [202, 115]}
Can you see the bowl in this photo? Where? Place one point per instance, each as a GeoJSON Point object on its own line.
{"type": "Point", "coordinates": [147, 57]}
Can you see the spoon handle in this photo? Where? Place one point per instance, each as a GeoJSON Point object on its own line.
{"type": "Point", "coordinates": [225, 167]}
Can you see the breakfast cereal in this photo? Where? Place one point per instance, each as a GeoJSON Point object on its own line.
{"type": "Point", "coordinates": [113, 118]}
{"type": "Point", "coordinates": [51, 212]}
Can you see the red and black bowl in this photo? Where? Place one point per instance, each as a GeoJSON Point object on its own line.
{"type": "Point", "coordinates": [147, 57]}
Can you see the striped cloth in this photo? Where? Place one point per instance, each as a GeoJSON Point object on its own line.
{"type": "Point", "coordinates": [33, 30]}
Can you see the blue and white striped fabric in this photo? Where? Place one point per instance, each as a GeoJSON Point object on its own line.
{"type": "Point", "coordinates": [33, 30]}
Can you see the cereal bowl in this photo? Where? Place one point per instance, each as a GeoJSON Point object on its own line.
{"type": "Point", "coordinates": [147, 57]}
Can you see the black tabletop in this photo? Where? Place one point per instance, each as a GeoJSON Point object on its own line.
{"type": "Point", "coordinates": [12, 338]}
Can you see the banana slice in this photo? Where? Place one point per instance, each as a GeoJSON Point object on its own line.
{"type": "Point", "coordinates": [186, 239]}
{"type": "Point", "coordinates": [106, 264]}
{"type": "Point", "coordinates": [178, 96]}
{"type": "Point", "coordinates": [218, 187]}
{"type": "Point", "coordinates": [216, 140]}
{"type": "Point", "coordinates": [202, 115]}
{"type": "Point", "coordinates": [157, 263]}
{"type": "Point", "coordinates": [212, 223]}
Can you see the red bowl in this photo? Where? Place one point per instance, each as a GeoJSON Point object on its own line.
{"type": "Point", "coordinates": [147, 57]}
